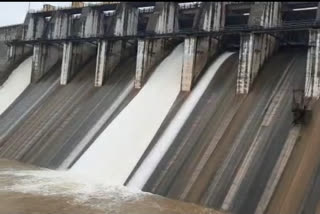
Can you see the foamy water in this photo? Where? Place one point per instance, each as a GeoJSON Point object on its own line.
{"type": "Point", "coordinates": [66, 183]}
{"type": "Point", "coordinates": [65, 192]}
{"type": "Point", "coordinates": [117, 150]}
{"type": "Point", "coordinates": [15, 84]}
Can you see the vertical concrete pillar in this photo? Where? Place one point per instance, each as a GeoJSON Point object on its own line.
{"type": "Point", "coordinates": [312, 87]}
{"type": "Point", "coordinates": [74, 55]}
{"type": "Point", "coordinates": [101, 63]}
{"type": "Point", "coordinates": [44, 58]}
{"type": "Point", "coordinates": [165, 19]}
{"type": "Point", "coordinates": [15, 51]}
{"type": "Point", "coordinates": [143, 56]}
{"type": "Point", "coordinates": [62, 25]}
{"type": "Point", "coordinates": [39, 52]}
{"type": "Point", "coordinates": [219, 18]}
{"type": "Point", "coordinates": [151, 51]}
{"type": "Point", "coordinates": [256, 49]}
{"type": "Point", "coordinates": [35, 29]}
{"type": "Point", "coordinates": [124, 23]}
{"type": "Point", "coordinates": [245, 63]}
{"type": "Point", "coordinates": [126, 20]}
{"type": "Point", "coordinates": [66, 63]}
{"type": "Point", "coordinates": [190, 47]}
{"type": "Point", "coordinates": [318, 13]}
{"type": "Point", "coordinates": [197, 50]}
{"type": "Point", "coordinates": [108, 57]}
{"type": "Point", "coordinates": [92, 22]}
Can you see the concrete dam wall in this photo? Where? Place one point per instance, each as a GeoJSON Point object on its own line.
{"type": "Point", "coordinates": [194, 102]}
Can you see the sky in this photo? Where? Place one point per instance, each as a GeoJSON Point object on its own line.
{"type": "Point", "coordinates": [15, 12]}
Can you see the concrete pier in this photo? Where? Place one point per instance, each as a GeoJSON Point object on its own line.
{"type": "Point", "coordinates": [35, 27]}
{"type": "Point", "coordinates": [62, 25]}
{"type": "Point", "coordinates": [197, 51]}
{"type": "Point", "coordinates": [151, 52]}
{"type": "Point", "coordinates": [44, 57]}
{"type": "Point", "coordinates": [16, 51]}
{"type": "Point", "coordinates": [256, 49]}
{"type": "Point", "coordinates": [312, 88]}
{"type": "Point", "coordinates": [109, 53]}
{"type": "Point", "coordinates": [73, 57]}
{"type": "Point", "coordinates": [92, 22]}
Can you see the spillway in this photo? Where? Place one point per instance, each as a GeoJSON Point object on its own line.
{"type": "Point", "coordinates": [18, 80]}
{"type": "Point", "coordinates": [158, 151]}
{"type": "Point", "coordinates": [123, 142]}
{"type": "Point", "coordinates": [216, 157]}
{"type": "Point", "coordinates": [53, 118]}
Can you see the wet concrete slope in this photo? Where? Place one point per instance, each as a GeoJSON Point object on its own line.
{"type": "Point", "coordinates": [298, 188]}
{"type": "Point", "coordinates": [54, 127]}
{"type": "Point", "coordinates": [227, 148]}
{"type": "Point", "coordinates": [27, 101]}
{"type": "Point", "coordinates": [275, 132]}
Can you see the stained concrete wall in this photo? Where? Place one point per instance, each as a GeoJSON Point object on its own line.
{"type": "Point", "coordinates": [44, 58]}
{"type": "Point", "coordinates": [35, 28]}
{"type": "Point", "coordinates": [92, 22]}
{"type": "Point", "coordinates": [74, 56]}
{"type": "Point", "coordinates": [12, 32]}
{"type": "Point", "coordinates": [312, 87]}
{"type": "Point", "coordinates": [125, 21]}
{"type": "Point", "coordinates": [198, 50]}
{"type": "Point", "coordinates": [164, 19]}
{"type": "Point", "coordinates": [110, 53]}
{"type": "Point", "coordinates": [256, 49]}
{"type": "Point", "coordinates": [61, 25]}
{"type": "Point", "coordinates": [151, 51]}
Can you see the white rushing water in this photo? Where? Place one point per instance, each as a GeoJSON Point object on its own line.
{"type": "Point", "coordinates": [52, 182]}
{"type": "Point", "coordinates": [158, 151]}
{"type": "Point", "coordinates": [119, 147]}
{"type": "Point", "coordinates": [16, 83]}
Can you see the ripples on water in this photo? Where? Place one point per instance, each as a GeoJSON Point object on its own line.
{"type": "Point", "coordinates": [49, 191]}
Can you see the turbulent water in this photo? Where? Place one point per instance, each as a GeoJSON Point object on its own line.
{"type": "Point", "coordinates": [15, 84]}
{"type": "Point", "coordinates": [26, 189]}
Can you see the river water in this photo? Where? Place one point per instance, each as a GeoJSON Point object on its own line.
{"type": "Point", "coordinates": [27, 189]}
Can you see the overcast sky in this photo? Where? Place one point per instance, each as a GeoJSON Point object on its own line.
{"type": "Point", "coordinates": [15, 12]}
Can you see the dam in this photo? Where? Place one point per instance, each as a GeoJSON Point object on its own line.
{"type": "Point", "coordinates": [161, 107]}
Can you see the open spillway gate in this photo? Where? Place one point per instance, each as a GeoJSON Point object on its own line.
{"type": "Point", "coordinates": [112, 31]}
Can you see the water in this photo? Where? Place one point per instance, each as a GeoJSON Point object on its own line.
{"type": "Point", "coordinates": [18, 80]}
{"type": "Point", "coordinates": [117, 150]}
{"type": "Point", "coordinates": [26, 189]}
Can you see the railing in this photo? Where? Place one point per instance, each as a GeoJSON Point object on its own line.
{"type": "Point", "coordinates": [182, 6]}
{"type": "Point", "coordinates": [192, 5]}
{"type": "Point", "coordinates": [146, 9]}
{"type": "Point", "coordinates": [187, 32]}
